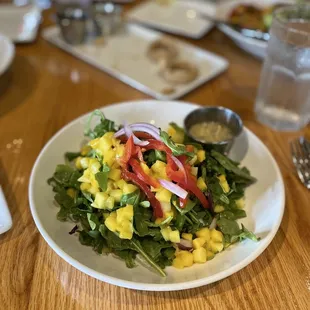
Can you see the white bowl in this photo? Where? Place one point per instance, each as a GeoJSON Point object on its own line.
{"type": "Point", "coordinates": [264, 205]}
{"type": "Point", "coordinates": [7, 52]}
{"type": "Point", "coordinates": [255, 47]}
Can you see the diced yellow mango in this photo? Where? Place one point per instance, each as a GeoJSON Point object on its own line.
{"type": "Point", "coordinates": [216, 235]}
{"type": "Point", "coordinates": [176, 135]}
{"type": "Point", "coordinates": [94, 182]}
{"type": "Point", "coordinates": [215, 247]}
{"type": "Point", "coordinates": [110, 223]}
{"type": "Point", "coordinates": [187, 236]}
{"type": "Point", "coordinates": [174, 236]}
{"type": "Point", "coordinates": [116, 194]}
{"type": "Point", "coordinates": [85, 150]}
{"type": "Point", "coordinates": [78, 164]}
{"type": "Point", "coordinates": [71, 192]}
{"type": "Point", "coordinates": [198, 243]}
{"type": "Point", "coordinates": [240, 203]}
{"type": "Point", "coordinates": [201, 155]}
{"type": "Point", "coordinates": [200, 255]}
{"type": "Point", "coordinates": [210, 255]}
{"type": "Point", "coordinates": [158, 166]}
{"type": "Point", "coordinates": [204, 233]}
{"type": "Point", "coordinates": [115, 174]}
{"type": "Point", "coordinates": [166, 233]}
{"type": "Point", "coordinates": [218, 209]}
{"type": "Point", "coordinates": [86, 177]}
{"type": "Point", "coordinates": [111, 186]}
{"type": "Point", "coordinates": [100, 200]}
{"type": "Point", "coordinates": [187, 258]}
{"type": "Point", "coordinates": [93, 190]}
{"type": "Point", "coordinates": [109, 157]}
{"type": "Point", "coordinates": [105, 144]}
{"type": "Point", "coordinates": [163, 195]}
{"type": "Point", "coordinates": [129, 188]}
{"type": "Point", "coordinates": [178, 263]}
{"type": "Point", "coordinates": [194, 171]}
{"type": "Point", "coordinates": [94, 143]}
{"type": "Point", "coordinates": [126, 234]}
{"type": "Point", "coordinates": [109, 204]}
{"type": "Point", "coordinates": [84, 162]}
{"type": "Point", "coordinates": [125, 213]}
{"type": "Point", "coordinates": [146, 169]}
{"type": "Point", "coordinates": [85, 187]}
{"type": "Point", "coordinates": [120, 150]}
{"type": "Point", "coordinates": [223, 183]}
{"type": "Point", "coordinates": [121, 183]}
{"type": "Point", "coordinates": [94, 165]}
{"type": "Point", "coordinates": [201, 184]}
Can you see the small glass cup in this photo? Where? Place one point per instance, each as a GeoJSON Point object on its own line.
{"type": "Point", "coordinates": [283, 99]}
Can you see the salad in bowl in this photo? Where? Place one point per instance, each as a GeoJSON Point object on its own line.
{"type": "Point", "coordinates": [138, 190]}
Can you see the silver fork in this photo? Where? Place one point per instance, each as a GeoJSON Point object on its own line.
{"type": "Point", "coordinates": [300, 150]}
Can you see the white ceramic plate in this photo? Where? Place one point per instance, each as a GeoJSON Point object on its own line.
{"type": "Point", "coordinates": [7, 52]}
{"type": "Point", "coordinates": [134, 67]}
{"type": "Point", "coordinates": [264, 205]}
{"type": "Point", "coordinates": [252, 46]}
{"type": "Point", "coordinates": [20, 24]}
{"type": "Point", "coordinates": [176, 18]}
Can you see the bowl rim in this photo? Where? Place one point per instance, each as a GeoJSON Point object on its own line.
{"type": "Point", "coordinates": [151, 286]}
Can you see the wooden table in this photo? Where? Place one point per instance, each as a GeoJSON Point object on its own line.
{"type": "Point", "coordinates": [45, 89]}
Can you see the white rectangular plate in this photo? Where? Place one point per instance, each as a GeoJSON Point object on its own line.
{"type": "Point", "coordinates": [177, 18]}
{"type": "Point", "coordinates": [20, 24]}
{"type": "Point", "coordinates": [124, 56]}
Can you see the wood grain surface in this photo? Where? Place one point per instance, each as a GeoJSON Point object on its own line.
{"type": "Point", "coordinates": [44, 90]}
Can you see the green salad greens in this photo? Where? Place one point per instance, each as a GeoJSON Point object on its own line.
{"type": "Point", "coordinates": [139, 190]}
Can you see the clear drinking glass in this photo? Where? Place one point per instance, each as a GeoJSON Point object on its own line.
{"type": "Point", "coordinates": [283, 99]}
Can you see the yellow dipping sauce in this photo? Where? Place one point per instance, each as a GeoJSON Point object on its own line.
{"type": "Point", "coordinates": [210, 132]}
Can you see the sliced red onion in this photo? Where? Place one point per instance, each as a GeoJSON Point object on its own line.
{"type": "Point", "coordinates": [143, 127]}
{"type": "Point", "coordinates": [185, 245]}
{"type": "Point", "coordinates": [128, 132]}
{"type": "Point", "coordinates": [213, 223]}
{"type": "Point", "coordinates": [180, 166]}
{"type": "Point", "coordinates": [174, 188]}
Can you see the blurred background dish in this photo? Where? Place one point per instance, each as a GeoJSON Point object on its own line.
{"type": "Point", "coordinates": [7, 52]}
{"type": "Point", "coordinates": [20, 24]}
{"type": "Point", "coordinates": [242, 11]}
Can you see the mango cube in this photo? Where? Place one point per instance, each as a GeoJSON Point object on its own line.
{"type": "Point", "coordinates": [111, 223]}
{"type": "Point", "coordinates": [200, 255]}
{"type": "Point", "coordinates": [223, 183]}
{"type": "Point", "coordinates": [204, 233]}
{"type": "Point", "coordinates": [240, 203]}
{"type": "Point", "coordinates": [166, 233]}
{"type": "Point", "coordinates": [158, 166]}
{"type": "Point", "coordinates": [129, 188]}
{"type": "Point", "coordinates": [201, 155]}
{"type": "Point", "coordinates": [116, 194]}
{"type": "Point", "coordinates": [218, 209]}
{"type": "Point", "coordinates": [201, 184]}
{"type": "Point", "coordinates": [100, 200]}
{"type": "Point", "coordinates": [178, 263]}
{"type": "Point", "coordinates": [163, 195]}
{"type": "Point", "coordinates": [198, 243]}
{"type": "Point", "coordinates": [125, 213]}
{"type": "Point", "coordinates": [174, 236]}
{"type": "Point", "coordinates": [216, 235]}
{"type": "Point", "coordinates": [115, 174]}
{"type": "Point", "coordinates": [120, 183]}
{"type": "Point", "coordinates": [187, 236]}
{"type": "Point", "coordinates": [187, 258]}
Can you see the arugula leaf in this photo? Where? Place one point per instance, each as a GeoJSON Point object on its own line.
{"type": "Point", "coordinates": [224, 199]}
{"type": "Point", "coordinates": [179, 222]}
{"type": "Point", "coordinates": [131, 199]}
{"type": "Point", "coordinates": [70, 156]}
{"type": "Point", "coordinates": [102, 177]}
{"type": "Point", "coordinates": [141, 217]}
{"type": "Point", "coordinates": [233, 214]}
{"type": "Point", "coordinates": [128, 256]}
{"type": "Point", "coordinates": [66, 176]}
{"type": "Point", "coordinates": [154, 248]}
{"type": "Point", "coordinates": [231, 166]}
{"type": "Point", "coordinates": [177, 150]}
{"type": "Point", "coordinates": [103, 127]}
{"type": "Point", "coordinates": [228, 227]}
{"type": "Point", "coordinates": [93, 221]}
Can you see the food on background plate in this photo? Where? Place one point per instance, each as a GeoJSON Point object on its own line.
{"type": "Point", "coordinates": [162, 50]}
{"type": "Point", "coordinates": [173, 70]}
{"type": "Point", "coordinates": [141, 190]}
{"type": "Point", "coordinates": [179, 72]}
{"type": "Point", "coordinates": [252, 17]}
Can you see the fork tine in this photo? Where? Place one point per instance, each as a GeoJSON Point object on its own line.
{"type": "Point", "coordinates": [295, 157]}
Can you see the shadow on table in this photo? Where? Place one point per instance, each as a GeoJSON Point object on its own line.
{"type": "Point", "coordinates": [16, 84]}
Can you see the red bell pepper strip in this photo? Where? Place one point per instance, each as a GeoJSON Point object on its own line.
{"type": "Point", "coordinates": [137, 169]}
{"type": "Point", "coordinates": [129, 176]}
{"type": "Point", "coordinates": [129, 151]}
{"type": "Point", "coordinates": [157, 145]}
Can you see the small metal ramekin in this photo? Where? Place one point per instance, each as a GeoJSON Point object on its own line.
{"type": "Point", "coordinates": [216, 114]}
